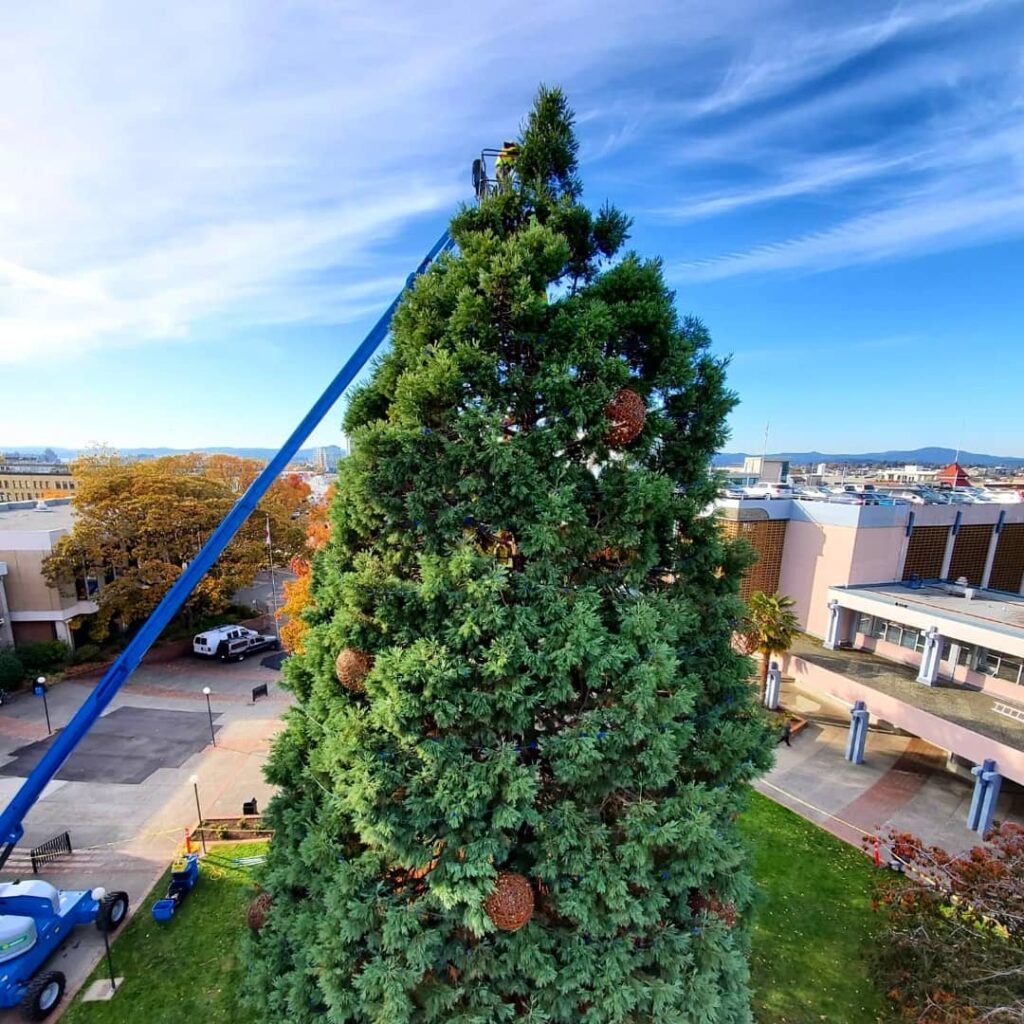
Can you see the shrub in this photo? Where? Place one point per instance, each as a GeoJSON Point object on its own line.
{"type": "Point", "coordinates": [44, 656]}
{"type": "Point", "coordinates": [952, 950]}
{"type": "Point", "coordinates": [87, 653]}
{"type": "Point", "coordinates": [12, 671]}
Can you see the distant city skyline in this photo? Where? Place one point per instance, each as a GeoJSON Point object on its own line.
{"type": "Point", "coordinates": [931, 455]}
{"type": "Point", "coordinates": [207, 211]}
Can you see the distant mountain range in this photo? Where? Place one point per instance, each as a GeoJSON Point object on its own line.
{"type": "Point", "coordinates": [305, 455]}
{"type": "Point", "coordinates": [921, 456]}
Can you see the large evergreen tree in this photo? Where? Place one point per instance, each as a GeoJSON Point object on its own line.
{"type": "Point", "coordinates": [517, 690]}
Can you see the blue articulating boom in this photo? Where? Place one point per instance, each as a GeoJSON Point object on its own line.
{"type": "Point", "coordinates": [11, 827]}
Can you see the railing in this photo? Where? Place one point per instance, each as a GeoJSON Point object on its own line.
{"type": "Point", "coordinates": [52, 849]}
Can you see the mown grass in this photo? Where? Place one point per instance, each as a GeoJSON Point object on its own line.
{"type": "Point", "coordinates": [813, 925]}
{"type": "Point", "coordinates": [188, 968]}
{"type": "Point", "coordinates": [812, 928]}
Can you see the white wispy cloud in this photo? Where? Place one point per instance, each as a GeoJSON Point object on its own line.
{"type": "Point", "coordinates": [795, 48]}
{"type": "Point", "coordinates": [169, 172]}
{"type": "Point", "coordinates": [911, 228]}
{"type": "Point", "coordinates": [948, 174]}
{"type": "Point", "coordinates": [805, 178]}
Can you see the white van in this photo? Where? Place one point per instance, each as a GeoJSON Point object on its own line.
{"type": "Point", "coordinates": [231, 643]}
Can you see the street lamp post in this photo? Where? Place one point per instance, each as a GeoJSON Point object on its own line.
{"type": "Point", "coordinates": [209, 711]}
{"type": "Point", "coordinates": [273, 585]}
{"type": "Point", "coordinates": [41, 692]}
{"type": "Point", "coordinates": [199, 811]}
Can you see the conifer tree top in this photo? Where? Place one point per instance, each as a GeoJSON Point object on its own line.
{"type": "Point", "coordinates": [521, 731]}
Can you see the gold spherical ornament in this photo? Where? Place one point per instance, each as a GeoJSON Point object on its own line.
{"type": "Point", "coordinates": [712, 903]}
{"type": "Point", "coordinates": [510, 905]}
{"type": "Point", "coordinates": [352, 667]}
{"type": "Point", "coordinates": [501, 545]}
{"type": "Point", "coordinates": [259, 908]}
{"type": "Point", "coordinates": [626, 414]}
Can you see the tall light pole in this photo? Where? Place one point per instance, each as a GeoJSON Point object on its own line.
{"type": "Point", "coordinates": [199, 811]}
{"type": "Point", "coordinates": [209, 712]}
{"type": "Point", "coordinates": [273, 584]}
{"type": "Point", "coordinates": [41, 692]}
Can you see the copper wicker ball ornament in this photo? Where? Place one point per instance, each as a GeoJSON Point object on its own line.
{"type": "Point", "coordinates": [626, 414]}
{"type": "Point", "coordinates": [352, 667]}
{"type": "Point", "coordinates": [258, 910]}
{"type": "Point", "coordinates": [510, 905]}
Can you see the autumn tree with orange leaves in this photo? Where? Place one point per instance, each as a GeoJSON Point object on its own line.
{"type": "Point", "coordinates": [297, 596]}
{"type": "Point", "coordinates": [138, 523]}
{"type": "Point", "coordinates": [952, 950]}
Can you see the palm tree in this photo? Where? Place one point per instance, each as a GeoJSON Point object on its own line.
{"type": "Point", "coordinates": [769, 629]}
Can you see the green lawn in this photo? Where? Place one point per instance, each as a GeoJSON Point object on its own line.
{"type": "Point", "coordinates": [811, 929]}
{"type": "Point", "coordinates": [188, 968]}
{"type": "Point", "coordinates": [812, 924]}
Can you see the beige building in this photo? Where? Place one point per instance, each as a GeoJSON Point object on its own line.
{"type": "Point", "coordinates": [34, 481]}
{"type": "Point", "coordinates": [30, 608]}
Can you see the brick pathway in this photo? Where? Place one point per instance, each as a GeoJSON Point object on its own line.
{"type": "Point", "coordinates": [903, 782]}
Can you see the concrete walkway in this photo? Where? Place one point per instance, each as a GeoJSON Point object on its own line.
{"type": "Point", "coordinates": [903, 782]}
{"type": "Point", "coordinates": [126, 795]}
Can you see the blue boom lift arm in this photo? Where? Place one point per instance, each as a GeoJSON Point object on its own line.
{"type": "Point", "coordinates": [13, 816]}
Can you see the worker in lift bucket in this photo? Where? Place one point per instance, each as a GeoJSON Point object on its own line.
{"type": "Point", "coordinates": [505, 164]}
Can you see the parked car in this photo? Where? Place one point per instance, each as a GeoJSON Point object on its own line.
{"type": "Point", "coordinates": [232, 643]}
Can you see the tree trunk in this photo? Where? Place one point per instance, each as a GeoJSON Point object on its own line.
{"type": "Point", "coordinates": [766, 657]}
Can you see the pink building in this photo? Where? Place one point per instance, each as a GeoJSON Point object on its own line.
{"type": "Point", "coordinates": [918, 610]}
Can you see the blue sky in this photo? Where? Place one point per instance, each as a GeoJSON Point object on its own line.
{"type": "Point", "coordinates": [202, 208]}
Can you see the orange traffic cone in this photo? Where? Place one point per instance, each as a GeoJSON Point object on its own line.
{"type": "Point", "coordinates": [188, 841]}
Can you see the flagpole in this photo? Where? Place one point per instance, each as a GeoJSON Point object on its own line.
{"type": "Point", "coordinates": [273, 584]}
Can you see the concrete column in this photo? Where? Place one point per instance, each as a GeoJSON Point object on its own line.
{"type": "Point", "coordinates": [987, 783]}
{"type": "Point", "coordinates": [773, 687]}
{"type": "Point", "coordinates": [832, 636]}
{"type": "Point", "coordinates": [857, 738]}
{"type": "Point", "coordinates": [992, 545]}
{"type": "Point", "coordinates": [954, 658]}
{"type": "Point", "coordinates": [6, 629]}
{"type": "Point", "coordinates": [931, 658]}
{"type": "Point", "coordinates": [947, 558]}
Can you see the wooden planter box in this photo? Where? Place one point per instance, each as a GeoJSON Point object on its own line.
{"type": "Point", "coordinates": [244, 826]}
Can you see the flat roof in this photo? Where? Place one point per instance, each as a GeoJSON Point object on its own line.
{"type": "Point", "coordinates": [23, 517]}
{"type": "Point", "coordinates": [994, 614]}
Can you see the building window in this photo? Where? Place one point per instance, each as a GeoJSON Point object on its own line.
{"type": "Point", "coordinates": [1002, 668]}
{"type": "Point", "coordinates": [892, 633]}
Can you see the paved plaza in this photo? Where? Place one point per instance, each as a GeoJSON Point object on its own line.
{"type": "Point", "coordinates": [902, 783]}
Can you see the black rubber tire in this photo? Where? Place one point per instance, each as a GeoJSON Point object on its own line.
{"type": "Point", "coordinates": [113, 911]}
{"type": "Point", "coordinates": [39, 1000]}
